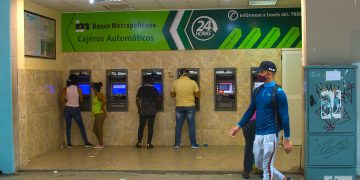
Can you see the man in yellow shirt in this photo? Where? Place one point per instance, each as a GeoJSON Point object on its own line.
{"type": "Point", "coordinates": [185, 90]}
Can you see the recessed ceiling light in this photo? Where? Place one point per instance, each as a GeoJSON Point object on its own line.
{"type": "Point", "coordinates": [262, 2]}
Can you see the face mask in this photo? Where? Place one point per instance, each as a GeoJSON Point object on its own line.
{"type": "Point", "coordinates": [261, 78]}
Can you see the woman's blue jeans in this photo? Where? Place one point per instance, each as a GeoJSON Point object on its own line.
{"type": "Point", "coordinates": [69, 114]}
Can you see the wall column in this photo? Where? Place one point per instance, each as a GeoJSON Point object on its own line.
{"type": "Point", "coordinates": [7, 160]}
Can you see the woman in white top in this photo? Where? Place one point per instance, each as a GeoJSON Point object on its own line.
{"type": "Point", "coordinates": [71, 97]}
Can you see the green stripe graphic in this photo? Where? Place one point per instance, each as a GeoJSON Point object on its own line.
{"type": "Point", "coordinates": [68, 44]}
{"type": "Point", "coordinates": [270, 38]}
{"type": "Point", "coordinates": [181, 29]}
{"type": "Point", "coordinates": [299, 45]}
{"type": "Point", "coordinates": [166, 30]}
{"type": "Point", "coordinates": [251, 39]}
{"type": "Point", "coordinates": [231, 39]}
{"type": "Point", "coordinates": [289, 38]}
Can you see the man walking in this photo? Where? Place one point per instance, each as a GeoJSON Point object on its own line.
{"type": "Point", "coordinates": [185, 90]}
{"type": "Point", "coordinates": [268, 125]}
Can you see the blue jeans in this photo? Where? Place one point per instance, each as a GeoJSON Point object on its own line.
{"type": "Point", "coordinates": [69, 114]}
{"type": "Point", "coordinates": [181, 113]}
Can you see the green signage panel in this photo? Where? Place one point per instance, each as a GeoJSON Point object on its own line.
{"type": "Point", "coordinates": [181, 30]}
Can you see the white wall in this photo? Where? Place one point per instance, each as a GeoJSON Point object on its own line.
{"type": "Point", "coordinates": [292, 83]}
{"type": "Point", "coordinates": [332, 31]}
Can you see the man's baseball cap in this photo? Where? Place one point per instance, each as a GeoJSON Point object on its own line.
{"type": "Point", "coordinates": [266, 65]}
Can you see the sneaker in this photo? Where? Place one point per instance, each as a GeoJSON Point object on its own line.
{"type": "Point", "coordinates": [150, 146]}
{"type": "Point", "coordinates": [176, 146]}
{"type": "Point", "coordinates": [195, 146]}
{"type": "Point", "coordinates": [246, 175]}
{"type": "Point", "coordinates": [69, 146]}
{"type": "Point", "coordinates": [138, 145]}
{"type": "Point", "coordinates": [88, 145]}
{"type": "Point", "coordinates": [99, 146]}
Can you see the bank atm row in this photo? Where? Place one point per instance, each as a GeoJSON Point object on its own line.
{"type": "Point", "coordinates": [117, 86]}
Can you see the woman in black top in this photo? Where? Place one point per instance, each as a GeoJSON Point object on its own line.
{"type": "Point", "coordinates": [146, 100]}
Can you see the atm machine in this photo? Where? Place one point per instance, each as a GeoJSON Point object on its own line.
{"type": "Point", "coordinates": [194, 74]}
{"type": "Point", "coordinates": [84, 83]}
{"type": "Point", "coordinates": [117, 90]}
{"type": "Point", "coordinates": [225, 89]}
{"type": "Point", "coordinates": [157, 76]}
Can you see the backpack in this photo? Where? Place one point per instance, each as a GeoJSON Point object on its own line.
{"type": "Point", "coordinates": [274, 104]}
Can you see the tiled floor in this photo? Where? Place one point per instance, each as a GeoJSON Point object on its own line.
{"type": "Point", "coordinates": [211, 159]}
{"type": "Point", "coordinates": [93, 175]}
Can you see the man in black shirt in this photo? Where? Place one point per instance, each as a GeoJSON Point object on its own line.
{"type": "Point", "coordinates": [146, 99]}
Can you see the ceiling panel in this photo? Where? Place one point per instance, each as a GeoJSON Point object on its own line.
{"type": "Point", "coordinates": [84, 6]}
{"type": "Point", "coordinates": [82, 3]}
{"type": "Point", "coordinates": [233, 4]}
{"type": "Point", "coordinates": [171, 4]}
{"type": "Point", "coordinates": [66, 8]}
{"type": "Point", "coordinates": [145, 4]}
{"type": "Point", "coordinates": [57, 5]}
{"type": "Point", "coordinates": [92, 8]}
{"type": "Point", "coordinates": [49, 1]}
{"type": "Point", "coordinates": [204, 4]}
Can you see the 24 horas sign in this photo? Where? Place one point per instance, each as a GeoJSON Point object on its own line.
{"type": "Point", "coordinates": [181, 30]}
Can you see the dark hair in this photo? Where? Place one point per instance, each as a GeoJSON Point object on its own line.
{"type": "Point", "coordinates": [148, 79]}
{"type": "Point", "coordinates": [97, 85]}
{"type": "Point", "coordinates": [183, 71]}
{"type": "Point", "coordinates": [72, 80]}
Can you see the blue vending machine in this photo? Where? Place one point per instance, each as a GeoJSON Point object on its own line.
{"type": "Point", "coordinates": [330, 122]}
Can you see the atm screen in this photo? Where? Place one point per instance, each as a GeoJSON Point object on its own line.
{"type": "Point", "coordinates": [225, 88]}
{"type": "Point", "coordinates": [158, 86]}
{"type": "Point", "coordinates": [85, 88]}
{"type": "Point", "coordinates": [118, 89]}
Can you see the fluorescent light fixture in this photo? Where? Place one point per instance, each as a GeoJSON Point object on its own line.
{"type": "Point", "coordinates": [262, 2]}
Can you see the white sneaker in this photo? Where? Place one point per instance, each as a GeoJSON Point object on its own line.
{"type": "Point", "coordinates": [99, 146]}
